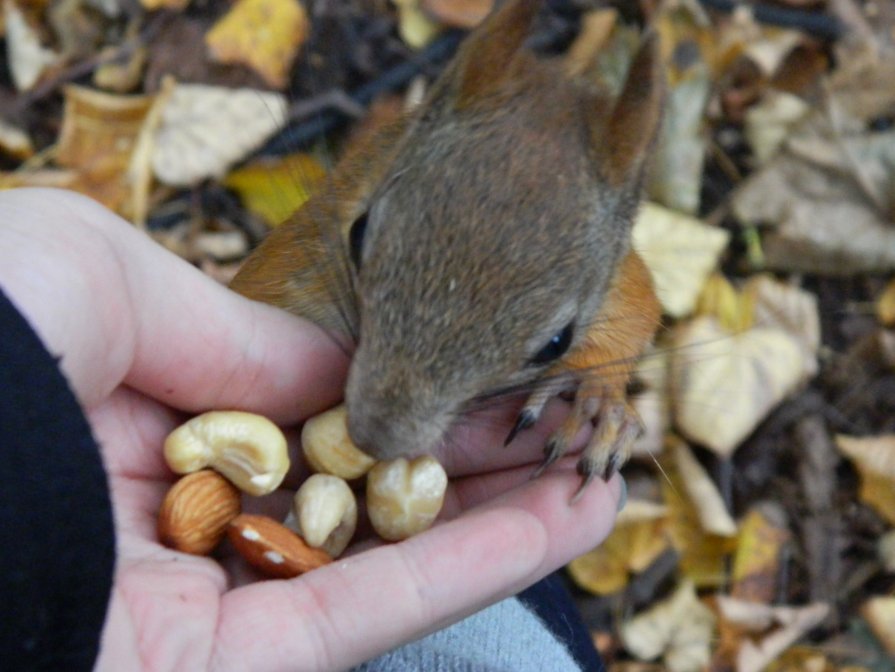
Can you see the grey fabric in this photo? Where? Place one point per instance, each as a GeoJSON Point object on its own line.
{"type": "Point", "coordinates": [505, 636]}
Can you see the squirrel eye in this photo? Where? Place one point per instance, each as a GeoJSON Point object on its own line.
{"type": "Point", "coordinates": [555, 348]}
{"type": "Point", "coordinates": [356, 239]}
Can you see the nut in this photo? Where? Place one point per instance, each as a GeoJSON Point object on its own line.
{"type": "Point", "coordinates": [196, 511]}
{"type": "Point", "coordinates": [273, 548]}
{"type": "Point", "coordinates": [404, 497]}
{"type": "Point", "coordinates": [246, 448]}
{"type": "Point", "coordinates": [325, 513]}
{"type": "Point", "coordinates": [329, 449]}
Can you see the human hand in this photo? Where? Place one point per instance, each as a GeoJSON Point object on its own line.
{"type": "Point", "coordinates": [146, 340]}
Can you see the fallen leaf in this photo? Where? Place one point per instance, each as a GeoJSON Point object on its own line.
{"type": "Point", "coordinates": [886, 551]}
{"type": "Point", "coordinates": [733, 310]}
{"type": "Point", "coordinates": [152, 5]}
{"type": "Point", "coordinates": [675, 177]}
{"type": "Point", "coordinates": [703, 556]}
{"type": "Point", "coordinates": [702, 491]}
{"type": "Point", "coordinates": [274, 188]}
{"type": "Point", "coordinates": [874, 458]}
{"type": "Point", "coordinates": [638, 539]}
{"type": "Point", "coordinates": [458, 13]}
{"type": "Point", "coordinates": [28, 58]}
{"type": "Point", "coordinates": [679, 629]}
{"type": "Point", "coordinates": [41, 177]}
{"type": "Point", "coordinates": [879, 612]}
{"type": "Point", "coordinates": [262, 34]}
{"type": "Point", "coordinates": [652, 402]}
{"type": "Point", "coordinates": [206, 129]}
{"type": "Point", "coordinates": [885, 305]}
{"type": "Point", "coordinates": [790, 623]}
{"type": "Point", "coordinates": [771, 121]}
{"type": "Point", "coordinates": [784, 306]}
{"type": "Point", "coordinates": [414, 25]}
{"type": "Point", "coordinates": [724, 384]}
{"type": "Point", "coordinates": [756, 563]}
{"type": "Point", "coordinates": [596, 29]}
{"type": "Point", "coordinates": [14, 142]}
{"type": "Point", "coordinates": [680, 252]}
{"type": "Point", "coordinates": [99, 134]}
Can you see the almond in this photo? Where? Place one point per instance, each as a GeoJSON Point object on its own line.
{"type": "Point", "coordinates": [195, 512]}
{"type": "Point", "coordinates": [273, 548]}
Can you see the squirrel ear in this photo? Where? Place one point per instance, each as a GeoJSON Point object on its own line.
{"type": "Point", "coordinates": [634, 121]}
{"type": "Point", "coordinates": [485, 57]}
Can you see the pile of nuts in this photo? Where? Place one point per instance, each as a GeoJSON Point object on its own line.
{"type": "Point", "coordinates": [225, 452]}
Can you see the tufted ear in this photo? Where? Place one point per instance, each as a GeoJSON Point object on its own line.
{"type": "Point", "coordinates": [485, 58]}
{"type": "Point", "coordinates": [627, 135]}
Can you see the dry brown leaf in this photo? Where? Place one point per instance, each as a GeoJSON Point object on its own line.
{"type": "Point", "coordinates": [414, 25]}
{"type": "Point", "coordinates": [596, 28]}
{"type": "Point", "coordinates": [262, 34]}
{"type": "Point", "coordinates": [885, 305]}
{"type": "Point", "coordinates": [874, 458]}
{"type": "Point", "coordinates": [206, 129]}
{"type": "Point", "coordinates": [786, 307]}
{"type": "Point", "coordinates": [14, 142]}
{"type": "Point", "coordinates": [791, 624]}
{"type": "Point", "coordinates": [703, 557]}
{"type": "Point", "coordinates": [724, 384]}
{"type": "Point", "coordinates": [28, 58]}
{"type": "Point", "coordinates": [680, 252]}
{"type": "Point", "coordinates": [275, 188]}
{"type": "Point", "coordinates": [756, 563]}
{"type": "Point", "coordinates": [40, 177]}
{"type": "Point", "coordinates": [879, 612]}
{"type": "Point", "coordinates": [638, 539]}
{"type": "Point", "coordinates": [679, 629]}
{"type": "Point", "coordinates": [702, 491]}
{"type": "Point", "coordinates": [98, 138]}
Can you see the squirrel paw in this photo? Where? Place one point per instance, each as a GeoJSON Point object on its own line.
{"type": "Point", "coordinates": [616, 427]}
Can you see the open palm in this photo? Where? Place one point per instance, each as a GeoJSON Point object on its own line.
{"type": "Point", "coordinates": [147, 340]}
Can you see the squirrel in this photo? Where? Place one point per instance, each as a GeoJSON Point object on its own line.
{"type": "Point", "coordinates": [480, 246]}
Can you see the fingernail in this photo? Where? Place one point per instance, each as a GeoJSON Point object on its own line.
{"type": "Point", "coordinates": [622, 493]}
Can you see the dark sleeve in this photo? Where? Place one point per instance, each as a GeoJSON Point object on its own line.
{"type": "Point", "coordinates": [57, 544]}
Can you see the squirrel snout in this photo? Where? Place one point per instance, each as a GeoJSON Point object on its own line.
{"type": "Point", "coordinates": [387, 425]}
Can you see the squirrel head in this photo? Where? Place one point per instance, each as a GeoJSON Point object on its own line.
{"type": "Point", "coordinates": [486, 249]}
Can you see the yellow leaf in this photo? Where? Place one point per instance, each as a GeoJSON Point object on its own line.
{"type": "Point", "coordinates": [879, 612]}
{"type": "Point", "coordinates": [703, 555]}
{"type": "Point", "coordinates": [885, 305]}
{"type": "Point", "coordinates": [633, 545]}
{"type": "Point", "coordinates": [874, 458]}
{"type": "Point", "coordinates": [724, 384]}
{"type": "Point", "coordinates": [679, 629]}
{"type": "Point", "coordinates": [166, 4]}
{"type": "Point", "coordinates": [719, 299]}
{"type": "Point", "coordinates": [99, 134]}
{"type": "Point", "coordinates": [756, 564]}
{"type": "Point", "coordinates": [262, 34]}
{"type": "Point", "coordinates": [680, 252]}
{"type": "Point", "coordinates": [275, 188]}
{"type": "Point", "coordinates": [702, 491]}
{"type": "Point", "coordinates": [414, 26]}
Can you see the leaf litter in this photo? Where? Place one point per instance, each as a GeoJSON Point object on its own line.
{"type": "Point", "coordinates": [761, 530]}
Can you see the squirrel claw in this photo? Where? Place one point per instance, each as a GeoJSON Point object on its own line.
{"type": "Point", "coordinates": [525, 419]}
{"type": "Point", "coordinates": [552, 452]}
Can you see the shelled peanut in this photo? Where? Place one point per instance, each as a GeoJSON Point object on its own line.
{"type": "Point", "coordinates": [403, 497]}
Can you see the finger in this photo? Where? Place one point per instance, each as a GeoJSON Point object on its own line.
{"type": "Point", "coordinates": [357, 608]}
{"type": "Point", "coordinates": [116, 306]}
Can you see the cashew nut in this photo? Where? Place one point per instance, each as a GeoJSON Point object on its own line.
{"type": "Point", "coordinates": [325, 513]}
{"type": "Point", "coordinates": [246, 448]}
{"type": "Point", "coordinates": [328, 448]}
{"type": "Point", "coordinates": [404, 497]}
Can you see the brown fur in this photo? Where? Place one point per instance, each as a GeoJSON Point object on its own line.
{"type": "Point", "coordinates": [498, 212]}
